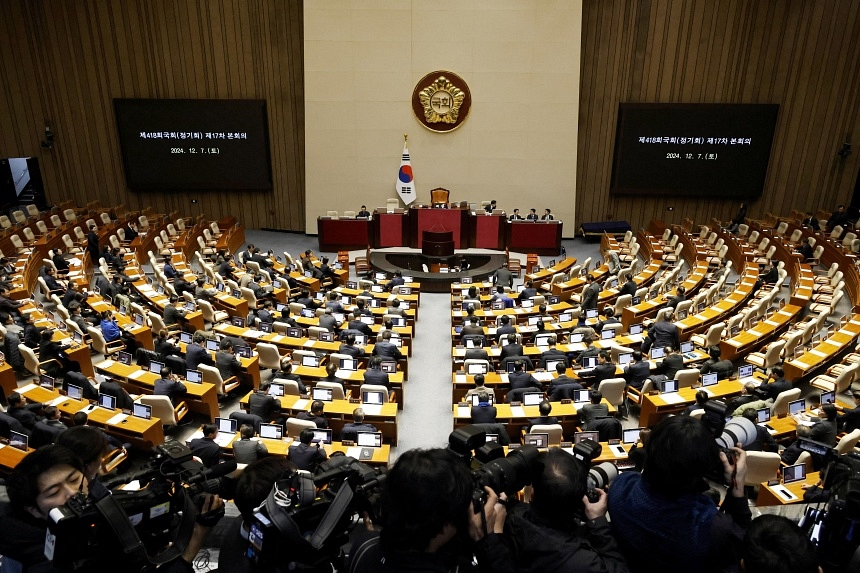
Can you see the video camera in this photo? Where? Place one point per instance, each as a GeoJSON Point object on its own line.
{"type": "Point", "coordinates": [306, 519]}
{"type": "Point", "coordinates": [133, 526]}
{"type": "Point", "coordinates": [835, 529]}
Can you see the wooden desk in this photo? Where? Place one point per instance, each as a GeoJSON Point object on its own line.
{"type": "Point", "coordinates": [7, 379]}
{"type": "Point", "coordinates": [653, 408]}
{"type": "Point", "coordinates": [201, 398]}
{"type": "Point", "coordinates": [281, 448]}
{"type": "Point", "coordinates": [339, 412]}
{"type": "Point", "coordinates": [824, 353]}
{"type": "Point", "coordinates": [11, 457]}
{"type": "Point", "coordinates": [541, 237]}
{"type": "Point", "coordinates": [514, 418]}
{"type": "Point", "coordinates": [143, 434]}
{"type": "Point", "coordinates": [343, 234]}
{"type": "Point", "coordinates": [767, 494]}
{"type": "Point", "coordinates": [160, 300]}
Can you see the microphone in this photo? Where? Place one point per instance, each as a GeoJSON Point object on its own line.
{"type": "Point", "coordinates": [215, 472]}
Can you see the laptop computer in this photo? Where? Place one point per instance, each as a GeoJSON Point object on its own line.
{"type": "Point", "coordinates": [106, 401]}
{"type": "Point", "coordinates": [710, 379]}
{"type": "Point", "coordinates": [46, 382]}
{"type": "Point", "coordinates": [476, 368]}
{"type": "Point", "coordinates": [194, 376]}
{"type": "Point", "coordinates": [630, 435]}
{"type": "Point", "coordinates": [795, 473]}
{"type": "Point", "coordinates": [625, 358]}
{"type": "Point", "coordinates": [350, 364]}
{"type": "Point", "coordinates": [745, 371]}
{"type": "Point", "coordinates": [18, 440]}
{"type": "Point", "coordinates": [536, 440]}
{"type": "Point", "coordinates": [687, 350]}
{"type": "Point", "coordinates": [669, 386]}
{"type": "Point", "coordinates": [658, 353]}
{"type": "Point", "coordinates": [589, 362]}
{"type": "Point", "coordinates": [276, 390]}
{"type": "Point", "coordinates": [828, 397]}
{"type": "Point", "coordinates": [227, 425]}
{"type": "Point", "coordinates": [607, 334]}
{"type": "Point", "coordinates": [272, 431]}
{"type": "Point", "coordinates": [155, 367]}
{"type": "Point", "coordinates": [591, 313]}
{"type": "Point", "coordinates": [491, 398]}
{"type": "Point", "coordinates": [141, 411]}
{"type": "Point", "coordinates": [368, 439]}
{"type": "Point", "coordinates": [212, 345]}
{"type": "Point", "coordinates": [635, 329]}
{"type": "Point", "coordinates": [796, 406]}
{"type": "Point", "coordinates": [185, 337]}
{"type": "Point", "coordinates": [310, 361]}
{"type": "Point", "coordinates": [388, 366]}
{"type": "Point", "coordinates": [581, 396]}
{"type": "Point", "coordinates": [582, 436]}
{"type": "Point", "coordinates": [372, 397]}
{"type": "Point", "coordinates": [323, 394]}
{"type": "Point", "coordinates": [237, 321]}
{"type": "Point", "coordinates": [75, 392]}
{"type": "Point", "coordinates": [532, 398]}
{"type": "Point", "coordinates": [322, 436]}
{"type": "Point", "coordinates": [123, 357]}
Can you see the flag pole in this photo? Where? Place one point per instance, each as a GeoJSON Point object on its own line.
{"type": "Point", "coordinates": [406, 140]}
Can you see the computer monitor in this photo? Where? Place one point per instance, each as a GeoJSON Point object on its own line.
{"type": "Point", "coordinates": [686, 347]}
{"type": "Point", "coordinates": [710, 379]}
{"type": "Point", "coordinates": [762, 415]}
{"type": "Point", "coordinates": [795, 473]}
{"type": "Point", "coordinates": [77, 337]}
{"type": "Point", "coordinates": [612, 284]}
{"type": "Point", "coordinates": [745, 371]}
{"type": "Point", "coordinates": [589, 362]}
{"type": "Point", "coordinates": [491, 398]}
{"type": "Point", "coordinates": [377, 288]}
{"type": "Point", "coordinates": [123, 357]}
{"type": "Point", "coordinates": [554, 300]}
{"type": "Point", "coordinates": [324, 394]}
{"type": "Point", "coordinates": [46, 382]}
{"type": "Point", "coordinates": [607, 334]}
{"type": "Point", "coordinates": [492, 438]}
{"type": "Point", "coordinates": [543, 339]}
{"type": "Point", "coordinates": [141, 411]}
{"type": "Point", "coordinates": [322, 436]}
{"type": "Point", "coordinates": [75, 392]}
{"type": "Point", "coordinates": [351, 285]}
{"type": "Point", "coordinates": [237, 321]}
{"type": "Point", "coordinates": [106, 401]}
{"type": "Point", "coordinates": [266, 327]}
{"type": "Point", "coordinates": [510, 366]}
{"type": "Point", "coordinates": [212, 345]}
{"type": "Point", "coordinates": [380, 276]}
{"type": "Point", "coordinates": [576, 338]}
{"type": "Point", "coordinates": [360, 339]}
{"type": "Point", "coordinates": [368, 320]}
{"type": "Point", "coordinates": [551, 365]}
{"type": "Point", "coordinates": [682, 314]}
{"type": "Point", "coordinates": [376, 303]}
{"type": "Point", "coordinates": [294, 332]}
{"type": "Point", "coordinates": [138, 319]}
{"type": "Point", "coordinates": [155, 366]}
{"type": "Point", "coordinates": [625, 358]}
{"type": "Point", "coordinates": [536, 440]}
{"type": "Point", "coordinates": [398, 321]}
{"type": "Point", "coordinates": [226, 425]}
{"type": "Point", "coordinates": [388, 366]}
{"type": "Point", "coordinates": [243, 351]}
{"type": "Point", "coordinates": [701, 307]}
{"type": "Point", "coordinates": [497, 305]}
{"type": "Point", "coordinates": [185, 337]}
{"type": "Point", "coordinates": [271, 431]}
{"type": "Point", "coordinates": [189, 306]}
{"type": "Point", "coordinates": [372, 397]}
{"type": "Point", "coordinates": [828, 397]}
{"type": "Point", "coordinates": [368, 439]}
{"type": "Point", "coordinates": [796, 406]}
{"type": "Point", "coordinates": [276, 390]}
{"type": "Point", "coordinates": [220, 287]}
{"type": "Point", "coordinates": [310, 360]}
{"type": "Point", "coordinates": [551, 263]}
{"type": "Point", "coordinates": [194, 376]}
{"type": "Point", "coordinates": [658, 352]}
{"type": "Point", "coordinates": [581, 396]}
{"type": "Point", "coordinates": [345, 299]}
{"type": "Point", "coordinates": [319, 295]}
{"type": "Point", "coordinates": [630, 435]}
{"type": "Point", "coordinates": [465, 280]}
{"type": "Point", "coordinates": [565, 317]}
{"type": "Point", "coordinates": [735, 330]}
{"type": "Point", "coordinates": [532, 398]}
{"type": "Point", "coordinates": [669, 386]}
{"type": "Point", "coordinates": [635, 300]}
{"type": "Point", "coordinates": [635, 329]}
{"type": "Point", "coordinates": [582, 436]}
{"type": "Point", "coordinates": [236, 293]}
{"type": "Point", "coordinates": [309, 274]}
{"type": "Point", "coordinates": [476, 368]}
{"type": "Point", "coordinates": [276, 283]}
{"type": "Point", "coordinates": [18, 440]}
{"type": "Point", "coordinates": [534, 320]}
{"type": "Point", "coordinates": [591, 313]}
{"type": "Point", "coordinates": [350, 364]}
{"type": "Point", "coordinates": [527, 303]}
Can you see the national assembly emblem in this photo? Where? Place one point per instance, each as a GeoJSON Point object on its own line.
{"type": "Point", "coordinates": [441, 101]}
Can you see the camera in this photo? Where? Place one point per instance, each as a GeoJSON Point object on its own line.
{"type": "Point", "coordinates": [306, 519]}
{"type": "Point", "coordinates": [133, 525]}
{"type": "Point", "coordinates": [599, 476]}
{"type": "Point", "coordinates": [737, 431]}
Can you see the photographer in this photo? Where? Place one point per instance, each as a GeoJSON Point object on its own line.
{"type": "Point", "coordinates": [544, 536]}
{"type": "Point", "coordinates": [662, 519]}
{"type": "Point", "coordinates": [427, 509]}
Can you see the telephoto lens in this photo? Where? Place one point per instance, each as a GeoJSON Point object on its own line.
{"type": "Point", "coordinates": [739, 430]}
{"type": "Point", "coordinates": [599, 476]}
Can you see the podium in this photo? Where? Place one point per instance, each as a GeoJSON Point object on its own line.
{"type": "Point", "coordinates": [437, 243]}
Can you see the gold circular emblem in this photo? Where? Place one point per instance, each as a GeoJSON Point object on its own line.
{"type": "Point", "coordinates": [441, 101]}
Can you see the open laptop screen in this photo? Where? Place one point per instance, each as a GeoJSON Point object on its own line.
{"type": "Point", "coordinates": [141, 411]}
{"type": "Point", "coordinates": [271, 431]}
{"type": "Point", "coordinates": [106, 401]}
{"type": "Point", "coordinates": [226, 425]}
{"type": "Point", "coordinates": [372, 397]}
{"type": "Point", "coordinates": [630, 435]}
{"type": "Point", "coordinates": [745, 371]}
{"type": "Point", "coordinates": [582, 436]}
{"type": "Point", "coordinates": [75, 392]}
{"type": "Point", "coordinates": [124, 358]}
{"type": "Point", "coordinates": [710, 379]}
{"type": "Point", "coordinates": [791, 474]}
{"type": "Point", "coordinates": [322, 436]}
{"type": "Point", "coordinates": [670, 386]}
{"type": "Point", "coordinates": [369, 439]}
{"type": "Point", "coordinates": [532, 398]}
{"type": "Point", "coordinates": [536, 440]}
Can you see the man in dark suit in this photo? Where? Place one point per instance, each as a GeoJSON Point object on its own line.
{"type": "Point", "coordinates": [776, 384]}
{"type": "Point", "coordinates": [544, 419]}
{"type": "Point", "coordinates": [532, 216]}
{"type": "Point", "coordinates": [112, 388]}
{"type": "Point", "coordinates": [374, 373]}
{"type": "Point", "coordinates": [89, 391]}
{"type": "Point", "coordinates": [512, 348]}
{"type": "Point", "coordinates": [562, 385]}
{"type": "Point", "coordinates": [385, 348]}
{"type": "Point", "coordinates": [552, 354]}
{"type": "Point", "coordinates": [260, 259]}
{"type": "Point", "coordinates": [477, 353]}
{"type": "Point", "coordinates": [305, 455]}
{"type": "Point", "coordinates": [672, 362]}
{"type": "Point", "coordinates": [306, 300]}
{"type": "Point", "coordinates": [357, 425]}
{"type": "Point", "coordinates": [528, 292]}
{"type": "Point", "coordinates": [737, 403]}
{"type": "Point", "coordinates": [503, 277]}
{"type": "Point", "coordinates": [170, 386]}
{"type": "Point", "coordinates": [205, 448]}
{"type": "Point", "coordinates": [519, 378]}
{"type": "Point", "coordinates": [590, 294]}
{"type": "Point", "coordinates": [226, 362]}
{"type": "Point", "coordinates": [263, 405]}
{"type": "Point", "coordinates": [806, 250]}
{"type": "Point", "coordinates": [637, 371]}
{"type": "Point", "coordinates": [93, 245]}
{"type": "Point", "coordinates": [349, 347]}
{"type": "Point", "coordinates": [679, 296]}
{"type": "Point", "coordinates": [610, 320]}
{"type": "Point", "coordinates": [315, 415]}
{"type": "Point", "coordinates": [23, 412]}
{"type": "Point", "coordinates": [196, 354]}
{"type": "Point", "coordinates": [505, 327]}
{"type": "Point", "coordinates": [267, 313]}
{"type": "Point", "coordinates": [361, 309]}
{"type": "Point", "coordinates": [246, 449]}
{"type": "Point", "coordinates": [483, 413]}
{"type": "Point", "coordinates": [723, 368]}
{"type": "Point", "coordinates": [357, 325]}
{"type": "Point", "coordinates": [594, 409]}
{"type": "Point", "coordinates": [397, 280]}
{"type": "Point", "coordinates": [604, 370]}
{"type": "Point", "coordinates": [628, 287]}
{"type": "Point", "coordinates": [849, 420]}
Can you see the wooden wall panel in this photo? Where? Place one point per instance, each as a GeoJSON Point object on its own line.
{"type": "Point", "coordinates": [65, 61]}
{"type": "Point", "coordinates": [801, 55]}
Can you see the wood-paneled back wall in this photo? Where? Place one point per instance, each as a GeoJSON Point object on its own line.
{"type": "Point", "coordinates": [65, 60]}
{"type": "Point", "coordinates": [801, 55]}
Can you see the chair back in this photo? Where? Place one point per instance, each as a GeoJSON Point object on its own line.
{"type": "Point", "coordinates": [613, 390]}
{"type": "Point", "coordinates": [374, 388]}
{"type": "Point", "coordinates": [295, 426]}
{"type": "Point", "coordinates": [336, 388]}
{"type": "Point", "coordinates": [780, 405]}
{"type": "Point", "coordinates": [162, 408]}
{"type": "Point", "coordinates": [554, 430]}
{"type": "Point", "coordinates": [761, 467]}
{"type": "Point", "coordinates": [269, 355]}
{"type": "Point", "coordinates": [847, 443]}
{"type": "Point", "coordinates": [687, 377]}
{"type": "Point", "coordinates": [291, 387]}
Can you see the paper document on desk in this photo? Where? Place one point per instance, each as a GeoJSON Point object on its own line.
{"type": "Point", "coordinates": [518, 412]}
{"type": "Point", "coordinates": [136, 374]}
{"type": "Point", "coordinates": [301, 405]}
{"type": "Point", "coordinates": [354, 452]}
{"type": "Point", "coordinates": [371, 409]}
{"type": "Point", "coordinates": [459, 378]}
{"type": "Point", "coordinates": [673, 398]}
{"type": "Point", "coordinates": [783, 493]}
{"type": "Point", "coordinates": [309, 342]}
{"type": "Point", "coordinates": [464, 412]}
{"type": "Point", "coordinates": [224, 440]}
{"type": "Point", "coordinates": [58, 400]}
{"type": "Point", "coordinates": [543, 376]}
{"type": "Point", "coordinates": [105, 364]}
{"type": "Point", "coordinates": [253, 333]}
{"type": "Point", "coordinates": [26, 388]}
{"type": "Point", "coordinates": [117, 419]}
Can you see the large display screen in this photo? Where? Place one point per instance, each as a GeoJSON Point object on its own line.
{"type": "Point", "coordinates": [199, 144]}
{"type": "Point", "coordinates": [713, 150]}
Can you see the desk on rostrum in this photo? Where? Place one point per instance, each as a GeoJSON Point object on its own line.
{"type": "Point", "coordinates": [139, 432]}
{"type": "Point", "coordinates": [339, 412]}
{"type": "Point", "coordinates": [201, 398]}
